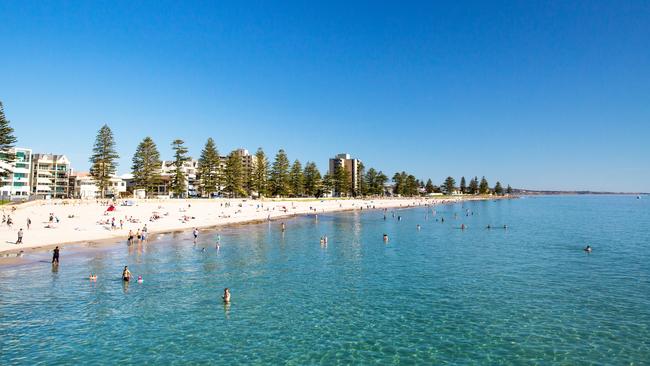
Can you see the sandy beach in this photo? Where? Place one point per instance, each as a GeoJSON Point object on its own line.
{"type": "Point", "coordinates": [59, 222]}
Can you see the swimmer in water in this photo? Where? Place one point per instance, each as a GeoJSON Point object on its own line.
{"type": "Point", "coordinates": [462, 226]}
{"type": "Point", "coordinates": [489, 227]}
{"type": "Point", "coordinates": [325, 239]}
{"type": "Point", "coordinates": [442, 219]}
{"type": "Point", "coordinates": [385, 238]}
{"type": "Point", "coordinates": [505, 227]}
{"type": "Point", "coordinates": [226, 295]}
{"type": "Point", "coordinates": [126, 274]}
{"type": "Point", "coordinates": [92, 277]}
{"type": "Point", "coordinates": [587, 249]}
{"type": "Point", "coordinates": [140, 279]}
{"type": "Point", "coordinates": [418, 227]}
{"type": "Point", "coordinates": [284, 227]}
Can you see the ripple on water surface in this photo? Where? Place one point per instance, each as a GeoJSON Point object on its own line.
{"type": "Point", "coordinates": [523, 295]}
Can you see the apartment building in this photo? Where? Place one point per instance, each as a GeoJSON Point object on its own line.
{"type": "Point", "coordinates": [50, 176]}
{"type": "Point", "coordinates": [15, 185]}
{"type": "Point", "coordinates": [348, 163]}
{"type": "Point", "coordinates": [189, 169]}
{"type": "Point", "coordinates": [82, 185]}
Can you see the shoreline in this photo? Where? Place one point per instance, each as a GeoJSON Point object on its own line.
{"type": "Point", "coordinates": [11, 255]}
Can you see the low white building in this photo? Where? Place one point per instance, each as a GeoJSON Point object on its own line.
{"type": "Point", "coordinates": [83, 186]}
{"type": "Point", "coordinates": [16, 184]}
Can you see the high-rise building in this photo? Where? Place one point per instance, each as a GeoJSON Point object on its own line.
{"type": "Point", "coordinates": [348, 163]}
{"type": "Point", "coordinates": [50, 176]}
{"type": "Point", "coordinates": [15, 185]}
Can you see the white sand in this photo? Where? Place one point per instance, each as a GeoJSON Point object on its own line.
{"type": "Point", "coordinates": [85, 226]}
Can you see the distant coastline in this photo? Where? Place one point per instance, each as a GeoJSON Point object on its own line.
{"type": "Point", "coordinates": [524, 192]}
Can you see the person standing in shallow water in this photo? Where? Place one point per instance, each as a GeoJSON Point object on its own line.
{"type": "Point", "coordinates": [226, 295]}
{"type": "Point", "coordinates": [55, 255]}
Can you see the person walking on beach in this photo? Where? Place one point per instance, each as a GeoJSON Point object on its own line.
{"type": "Point", "coordinates": [195, 233]}
{"type": "Point", "coordinates": [29, 223]}
{"type": "Point", "coordinates": [20, 236]}
{"type": "Point", "coordinates": [55, 255]}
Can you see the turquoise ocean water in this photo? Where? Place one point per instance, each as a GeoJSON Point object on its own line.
{"type": "Point", "coordinates": [524, 295]}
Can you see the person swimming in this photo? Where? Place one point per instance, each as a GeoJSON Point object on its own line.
{"type": "Point", "coordinates": [226, 295]}
{"type": "Point", "coordinates": [587, 249]}
{"type": "Point", "coordinates": [140, 280]}
{"type": "Point", "coordinates": [419, 227]}
{"type": "Point", "coordinates": [126, 274]}
{"type": "Point", "coordinates": [462, 226]}
{"type": "Point", "coordinates": [385, 238]}
{"type": "Point", "coordinates": [488, 227]}
{"type": "Point", "coordinates": [284, 227]}
{"type": "Point", "coordinates": [92, 277]}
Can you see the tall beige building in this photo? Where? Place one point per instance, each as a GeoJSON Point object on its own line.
{"type": "Point", "coordinates": [348, 163]}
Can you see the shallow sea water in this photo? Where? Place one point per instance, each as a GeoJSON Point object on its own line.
{"type": "Point", "coordinates": [523, 295]}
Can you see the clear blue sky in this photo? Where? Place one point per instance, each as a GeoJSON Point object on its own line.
{"type": "Point", "coordinates": [541, 96]}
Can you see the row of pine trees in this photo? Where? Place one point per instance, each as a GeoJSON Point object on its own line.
{"type": "Point", "coordinates": [280, 178]}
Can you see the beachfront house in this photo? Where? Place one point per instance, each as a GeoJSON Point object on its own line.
{"type": "Point", "coordinates": [15, 185]}
{"type": "Point", "coordinates": [83, 185]}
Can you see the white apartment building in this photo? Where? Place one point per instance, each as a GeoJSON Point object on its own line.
{"type": "Point", "coordinates": [189, 169]}
{"type": "Point", "coordinates": [83, 185]}
{"type": "Point", "coordinates": [16, 184]}
{"type": "Point", "coordinates": [50, 176]}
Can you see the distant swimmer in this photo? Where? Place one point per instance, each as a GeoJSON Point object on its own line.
{"type": "Point", "coordinates": [442, 219]}
{"type": "Point", "coordinates": [418, 227]}
{"type": "Point", "coordinates": [195, 233]}
{"type": "Point", "coordinates": [283, 226]}
{"type": "Point", "coordinates": [488, 227]}
{"type": "Point", "coordinates": [92, 277]}
{"type": "Point", "coordinates": [462, 226]}
{"type": "Point", "coordinates": [140, 280]}
{"type": "Point", "coordinates": [587, 249]}
{"type": "Point", "coordinates": [226, 295]}
{"type": "Point", "coordinates": [385, 237]}
{"type": "Point", "coordinates": [399, 218]}
{"type": "Point", "coordinates": [325, 239]}
{"type": "Point", "coordinates": [505, 227]}
{"type": "Point", "coordinates": [126, 274]}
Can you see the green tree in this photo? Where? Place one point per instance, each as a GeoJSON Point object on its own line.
{"type": "Point", "coordinates": [179, 180]}
{"type": "Point", "coordinates": [146, 166]}
{"type": "Point", "coordinates": [380, 183]}
{"type": "Point", "coordinates": [498, 189]}
{"type": "Point", "coordinates": [449, 185]}
{"type": "Point", "coordinates": [473, 186]}
{"type": "Point", "coordinates": [370, 181]}
{"type": "Point", "coordinates": [399, 182]}
{"type": "Point", "coordinates": [260, 173]}
{"type": "Point", "coordinates": [411, 186]}
{"type": "Point", "coordinates": [7, 141]}
{"type": "Point", "coordinates": [103, 159]}
{"type": "Point", "coordinates": [328, 185]}
{"type": "Point", "coordinates": [313, 180]}
{"type": "Point", "coordinates": [209, 164]}
{"type": "Point", "coordinates": [483, 187]}
{"type": "Point", "coordinates": [509, 189]}
{"type": "Point", "coordinates": [429, 186]}
{"type": "Point", "coordinates": [297, 179]}
{"type": "Point", "coordinates": [280, 182]}
{"type": "Point", "coordinates": [342, 181]}
{"type": "Point", "coordinates": [234, 176]}
{"type": "Point", "coordinates": [463, 185]}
